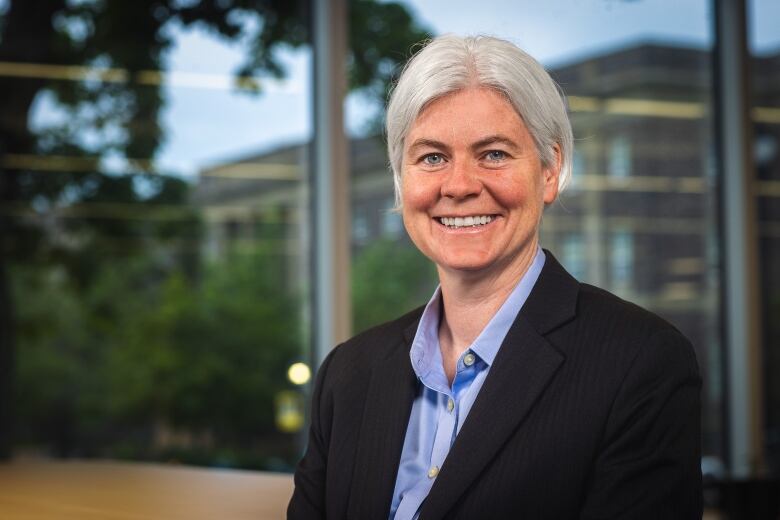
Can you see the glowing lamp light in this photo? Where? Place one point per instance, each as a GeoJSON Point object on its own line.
{"type": "Point", "coordinates": [289, 411]}
{"type": "Point", "coordinates": [299, 373]}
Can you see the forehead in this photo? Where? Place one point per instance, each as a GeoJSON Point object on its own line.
{"type": "Point", "coordinates": [466, 116]}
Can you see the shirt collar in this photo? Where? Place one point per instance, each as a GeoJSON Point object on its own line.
{"type": "Point", "coordinates": [425, 347]}
{"type": "Point", "coordinates": [425, 353]}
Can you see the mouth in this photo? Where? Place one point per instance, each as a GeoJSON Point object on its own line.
{"type": "Point", "coordinates": [472, 221]}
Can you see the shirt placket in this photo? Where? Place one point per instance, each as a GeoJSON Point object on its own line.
{"type": "Point", "coordinates": [448, 416]}
{"type": "Point", "coordinates": [445, 427]}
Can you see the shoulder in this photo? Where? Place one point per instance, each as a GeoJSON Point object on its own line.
{"type": "Point", "coordinates": [628, 335]}
{"type": "Point", "coordinates": [604, 309]}
{"type": "Point", "coordinates": [344, 377]}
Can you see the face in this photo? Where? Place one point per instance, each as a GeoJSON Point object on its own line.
{"type": "Point", "coordinates": [473, 185]}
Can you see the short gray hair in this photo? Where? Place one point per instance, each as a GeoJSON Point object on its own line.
{"type": "Point", "coordinates": [450, 63]}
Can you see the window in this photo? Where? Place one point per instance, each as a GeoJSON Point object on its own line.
{"type": "Point", "coordinates": [154, 218]}
{"type": "Point", "coordinates": [360, 228]}
{"type": "Point", "coordinates": [392, 223]}
{"type": "Point", "coordinates": [764, 43]}
{"type": "Point", "coordinates": [574, 256]}
{"type": "Point", "coordinates": [621, 261]}
{"type": "Point", "coordinates": [619, 157]}
{"type": "Point", "coordinates": [153, 198]}
{"type": "Point", "coordinates": [639, 93]}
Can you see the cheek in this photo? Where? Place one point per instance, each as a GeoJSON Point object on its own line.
{"type": "Point", "coordinates": [511, 194]}
{"type": "Point", "coordinates": [418, 193]}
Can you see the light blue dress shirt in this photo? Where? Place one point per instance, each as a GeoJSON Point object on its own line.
{"type": "Point", "coordinates": [439, 411]}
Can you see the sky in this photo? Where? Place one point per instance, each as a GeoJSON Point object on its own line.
{"type": "Point", "coordinates": [564, 30]}
{"type": "Point", "coordinates": [210, 126]}
{"type": "Point", "coordinates": [206, 125]}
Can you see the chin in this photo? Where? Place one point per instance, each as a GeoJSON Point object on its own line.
{"type": "Point", "coordinates": [466, 265]}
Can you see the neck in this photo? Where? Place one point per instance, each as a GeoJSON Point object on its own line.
{"type": "Point", "coordinates": [471, 299]}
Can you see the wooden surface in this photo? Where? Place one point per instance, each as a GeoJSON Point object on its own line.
{"type": "Point", "coordinates": [134, 491]}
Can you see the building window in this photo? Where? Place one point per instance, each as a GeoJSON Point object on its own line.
{"type": "Point", "coordinates": [360, 229]}
{"type": "Point", "coordinates": [621, 255]}
{"type": "Point", "coordinates": [578, 168]}
{"type": "Point", "coordinates": [619, 157]}
{"type": "Point", "coordinates": [573, 255]}
{"type": "Point", "coordinates": [392, 223]}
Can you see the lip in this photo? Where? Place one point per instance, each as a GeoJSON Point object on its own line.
{"type": "Point", "coordinates": [464, 215]}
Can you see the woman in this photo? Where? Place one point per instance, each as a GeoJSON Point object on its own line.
{"type": "Point", "coordinates": [517, 392]}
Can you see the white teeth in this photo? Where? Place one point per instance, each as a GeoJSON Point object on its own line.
{"type": "Point", "coordinates": [458, 222]}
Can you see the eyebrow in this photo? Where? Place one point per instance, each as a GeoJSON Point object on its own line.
{"type": "Point", "coordinates": [428, 143]}
{"type": "Point", "coordinates": [423, 142]}
{"type": "Point", "coordinates": [495, 139]}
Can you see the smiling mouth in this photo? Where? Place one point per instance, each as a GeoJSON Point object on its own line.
{"type": "Point", "coordinates": [461, 222]}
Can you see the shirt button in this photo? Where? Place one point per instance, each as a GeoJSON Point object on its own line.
{"type": "Point", "coordinates": [433, 472]}
{"type": "Point", "coordinates": [450, 404]}
{"type": "Point", "coordinates": [469, 359]}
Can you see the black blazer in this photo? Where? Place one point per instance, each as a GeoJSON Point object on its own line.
{"type": "Point", "coordinates": [591, 410]}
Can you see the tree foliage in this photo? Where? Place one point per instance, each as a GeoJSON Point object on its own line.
{"type": "Point", "coordinates": [388, 280]}
{"type": "Point", "coordinates": [118, 324]}
{"type": "Point", "coordinates": [110, 367]}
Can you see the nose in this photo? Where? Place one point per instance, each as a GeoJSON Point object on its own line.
{"type": "Point", "coordinates": [461, 181]}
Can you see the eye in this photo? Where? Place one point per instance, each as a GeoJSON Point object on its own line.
{"type": "Point", "coordinates": [433, 159]}
{"type": "Point", "coordinates": [495, 155]}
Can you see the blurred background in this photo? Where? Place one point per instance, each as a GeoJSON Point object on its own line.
{"type": "Point", "coordinates": [158, 237]}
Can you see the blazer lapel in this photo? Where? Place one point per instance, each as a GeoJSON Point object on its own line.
{"type": "Point", "coordinates": [389, 400]}
{"type": "Point", "coordinates": [525, 364]}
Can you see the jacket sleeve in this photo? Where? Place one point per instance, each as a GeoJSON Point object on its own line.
{"type": "Point", "coordinates": [649, 463]}
{"type": "Point", "coordinates": [308, 499]}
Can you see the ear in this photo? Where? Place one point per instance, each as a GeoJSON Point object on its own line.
{"type": "Point", "coordinates": [551, 175]}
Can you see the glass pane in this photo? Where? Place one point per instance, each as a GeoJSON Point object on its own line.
{"type": "Point", "coordinates": [765, 49]}
{"type": "Point", "coordinates": [389, 275]}
{"type": "Point", "coordinates": [639, 216]}
{"type": "Point", "coordinates": [153, 230]}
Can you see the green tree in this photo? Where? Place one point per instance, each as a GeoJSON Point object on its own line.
{"type": "Point", "coordinates": [104, 369]}
{"type": "Point", "coordinates": [389, 279]}
{"type": "Point", "coordinates": [122, 115]}
{"type": "Point", "coordinates": [52, 321]}
{"type": "Point", "coordinates": [68, 400]}
{"type": "Point", "coordinates": [211, 357]}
